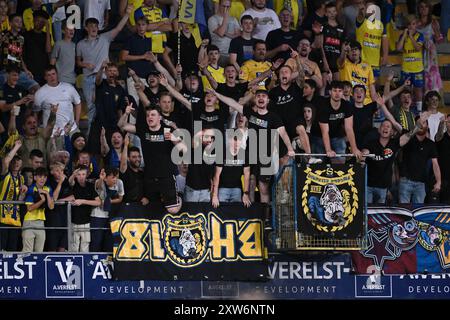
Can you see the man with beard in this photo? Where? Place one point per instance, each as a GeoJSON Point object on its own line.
{"type": "Point", "coordinates": [131, 174]}
{"type": "Point", "coordinates": [413, 168]}
{"type": "Point", "coordinates": [157, 144]}
{"type": "Point", "coordinates": [263, 122]}
{"type": "Point", "coordinates": [353, 69]}
{"type": "Point", "coordinates": [200, 173]}
{"type": "Point", "coordinates": [258, 67]}
{"type": "Point", "coordinates": [304, 65]}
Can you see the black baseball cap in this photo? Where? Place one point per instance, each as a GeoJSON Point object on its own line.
{"type": "Point", "coordinates": [154, 72]}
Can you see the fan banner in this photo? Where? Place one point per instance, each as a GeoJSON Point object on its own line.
{"type": "Point", "coordinates": [331, 201]}
{"type": "Point", "coordinates": [198, 243]}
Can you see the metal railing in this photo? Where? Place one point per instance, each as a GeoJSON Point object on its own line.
{"type": "Point", "coordinates": [69, 227]}
{"type": "Point", "coordinates": [286, 235]}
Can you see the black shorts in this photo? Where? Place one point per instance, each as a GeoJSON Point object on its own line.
{"type": "Point", "coordinates": [256, 170]}
{"type": "Point", "coordinates": [162, 189]}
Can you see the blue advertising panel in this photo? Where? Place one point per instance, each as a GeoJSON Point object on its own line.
{"type": "Point", "coordinates": [89, 276]}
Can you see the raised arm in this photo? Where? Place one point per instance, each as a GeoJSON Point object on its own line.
{"type": "Point", "coordinates": [122, 22]}
{"type": "Point", "coordinates": [229, 101]}
{"type": "Point", "coordinates": [123, 121]}
{"type": "Point", "coordinates": [124, 155]}
{"type": "Point", "coordinates": [104, 147]}
{"type": "Point", "coordinates": [163, 81]}
{"type": "Point", "coordinates": [8, 158]}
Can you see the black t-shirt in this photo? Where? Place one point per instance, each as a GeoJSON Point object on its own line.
{"type": "Point", "coordinates": [443, 147]}
{"type": "Point", "coordinates": [10, 95]}
{"type": "Point", "coordinates": [335, 118]}
{"type": "Point", "coordinates": [175, 118]}
{"type": "Point", "coordinates": [267, 121]}
{"type": "Point", "coordinates": [243, 49]}
{"type": "Point", "coordinates": [311, 18]}
{"type": "Point", "coordinates": [156, 151]}
{"type": "Point", "coordinates": [154, 97]}
{"type": "Point", "coordinates": [82, 214]}
{"type": "Point", "coordinates": [236, 92]}
{"type": "Point", "coordinates": [216, 119]}
{"type": "Point", "coordinates": [415, 158]}
{"type": "Point", "coordinates": [332, 43]}
{"type": "Point", "coordinates": [362, 121]}
{"type": "Point", "coordinates": [200, 174]}
{"type": "Point", "coordinates": [35, 54]}
{"type": "Point", "coordinates": [315, 104]}
{"type": "Point", "coordinates": [108, 101]}
{"type": "Point", "coordinates": [58, 216]}
{"type": "Point", "coordinates": [137, 46]}
{"type": "Point", "coordinates": [287, 105]}
{"type": "Point", "coordinates": [276, 38]}
{"type": "Point", "coordinates": [232, 170]}
{"type": "Point", "coordinates": [379, 168]}
{"type": "Point", "coordinates": [133, 184]}
{"type": "Point", "coordinates": [188, 51]}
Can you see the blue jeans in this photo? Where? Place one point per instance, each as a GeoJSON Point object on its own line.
{"type": "Point", "coordinates": [338, 145]}
{"type": "Point", "coordinates": [376, 195]}
{"type": "Point", "coordinates": [24, 80]}
{"type": "Point", "coordinates": [88, 92]}
{"type": "Point", "coordinates": [408, 189]}
{"type": "Point", "coordinates": [230, 195]}
{"type": "Point", "coordinates": [101, 240]}
{"type": "Point", "coordinates": [192, 195]}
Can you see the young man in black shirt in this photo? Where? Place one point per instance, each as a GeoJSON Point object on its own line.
{"type": "Point", "coordinates": [204, 110]}
{"type": "Point", "coordinates": [379, 168]}
{"type": "Point", "coordinates": [13, 95]}
{"type": "Point", "coordinates": [200, 174]}
{"type": "Point", "coordinates": [336, 123]}
{"type": "Point", "coordinates": [37, 46]}
{"type": "Point", "coordinates": [260, 122]}
{"type": "Point", "coordinates": [157, 143]}
{"type": "Point", "coordinates": [131, 174]}
{"type": "Point", "coordinates": [227, 185]}
{"type": "Point", "coordinates": [285, 101]}
{"type": "Point", "coordinates": [86, 198]}
{"type": "Point", "coordinates": [56, 240]}
{"type": "Point", "coordinates": [241, 48]}
{"type": "Point", "coordinates": [413, 168]}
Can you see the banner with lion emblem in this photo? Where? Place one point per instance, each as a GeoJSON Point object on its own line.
{"type": "Point", "coordinates": [331, 201]}
{"type": "Point", "coordinates": [198, 243]}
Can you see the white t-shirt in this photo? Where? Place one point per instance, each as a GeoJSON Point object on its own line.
{"type": "Point", "coordinates": [63, 94]}
{"type": "Point", "coordinates": [59, 14]}
{"type": "Point", "coordinates": [96, 9]}
{"type": "Point", "coordinates": [267, 21]}
{"type": "Point", "coordinates": [433, 124]}
{"type": "Point", "coordinates": [223, 43]}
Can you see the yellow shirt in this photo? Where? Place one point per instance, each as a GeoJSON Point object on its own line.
{"type": "Point", "coordinates": [10, 191]}
{"type": "Point", "coordinates": [136, 5]}
{"type": "Point", "coordinates": [370, 34]}
{"type": "Point", "coordinates": [217, 74]}
{"type": "Point", "coordinates": [360, 73]}
{"type": "Point", "coordinates": [37, 214]}
{"type": "Point", "coordinates": [412, 58]}
{"type": "Point", "coordinates": [28, 22]}
{"type": "Point", "coordinates": [278, 5]}
{"type": "Point", "coordinates": [153, 15]}
{"type": "Point", "coordinates": [251, 69]}
{"type": "Point", "coordinates": [4, 26]}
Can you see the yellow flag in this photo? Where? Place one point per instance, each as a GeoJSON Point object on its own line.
{"type": "Point", "coordinates": [187, 11]}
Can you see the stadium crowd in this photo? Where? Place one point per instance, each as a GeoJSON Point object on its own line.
{"type": "Point", "coordinates": [90, 112]}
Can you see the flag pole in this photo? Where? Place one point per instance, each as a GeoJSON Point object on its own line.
{"type": "Point", "coordinates": [179, 33]}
